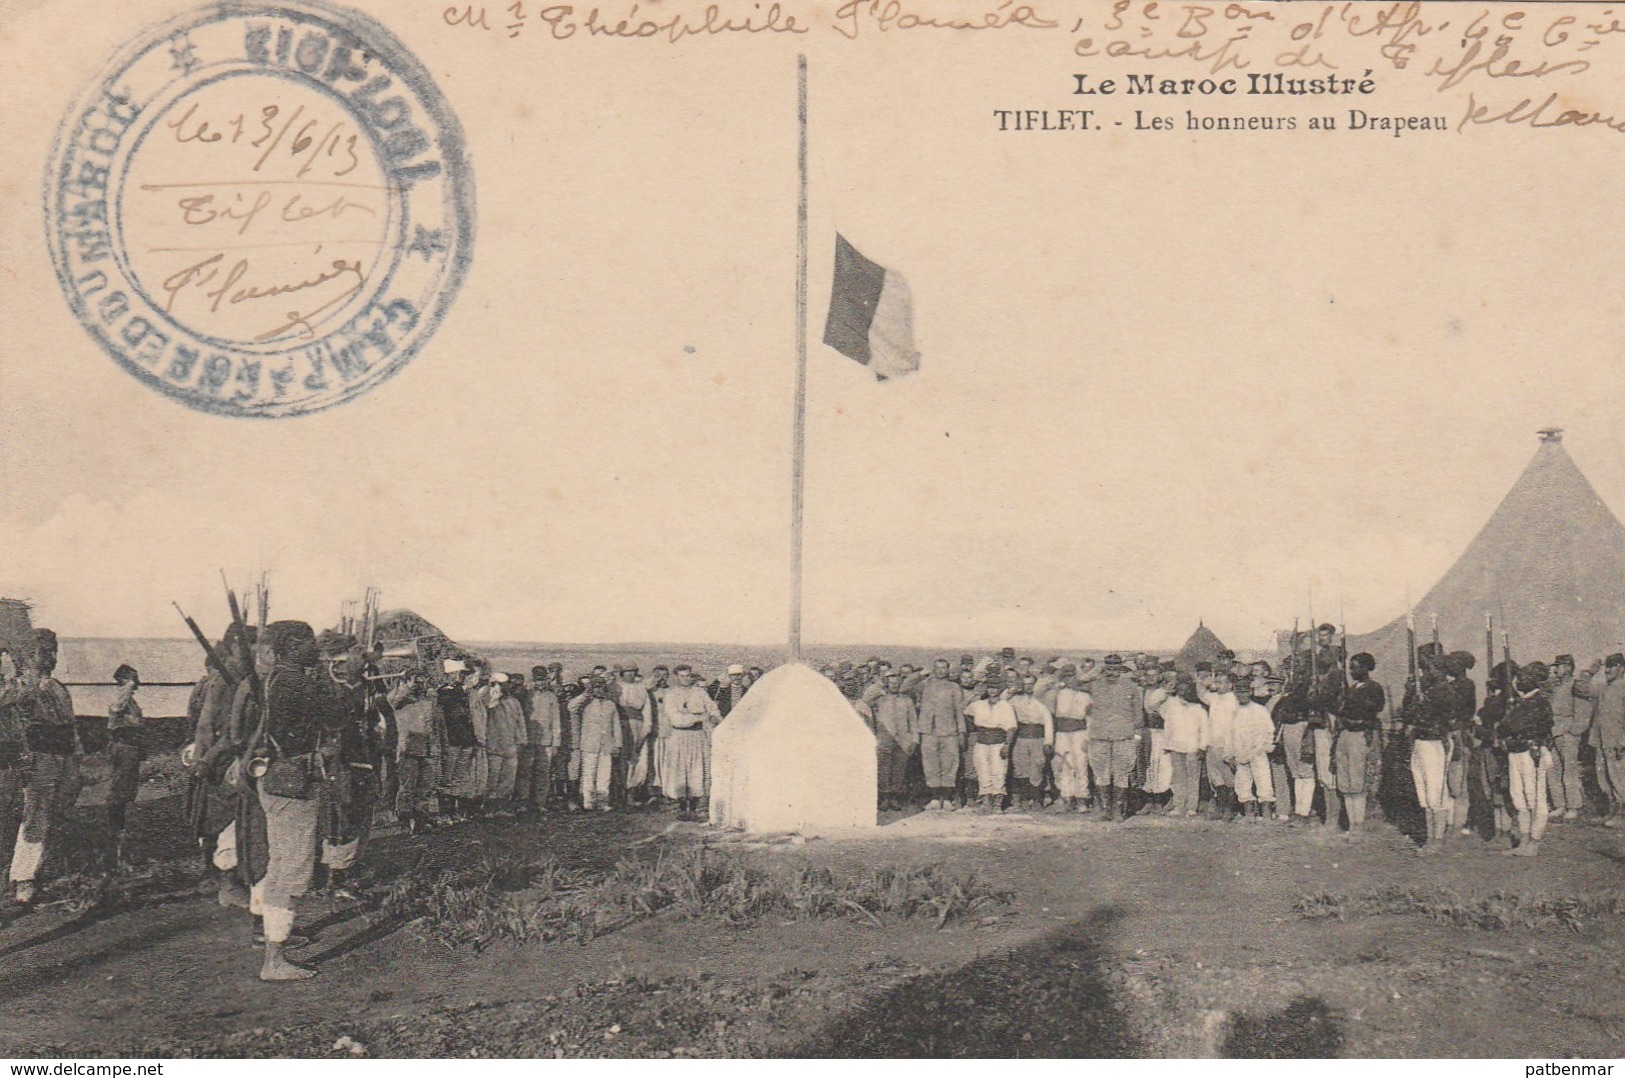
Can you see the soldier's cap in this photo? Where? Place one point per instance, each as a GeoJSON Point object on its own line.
{"type": "Point", "coordinates": [125, 672]}
{"type": "Point", "coordinates": [1468, 659]}
{"type": "Point", "coordinates": [1536, 672]}
{"type": "Point", "coordinates": [1453, 665]}
{"type": "Point", "coordinates": [557, 668]}
{"type": "Point", "coordinates": [537, 669]}
{"type": "Point", "coordinates": [285, 637]}
{"type": "Point", "coordinates": [1325, 627]}
{"type": "Point", "coordinates": [1365, 661]}
{"type": "Point", "coordinates": [44, 638]}
{"type": "Point", "coordinates": [1166, 664]}
{"type": "Point", "coordinates": [1616, 659]}
{"type": "Point", "coordinates": [1563, 660]}
{"type": "Point", "coordinates": [735, 668]}
{"type": "Point", "coordinates": [1114, 659]}
{"type": "Point", "coordinates": [1069, 668]}
{"type": "Point", "coordinates": [968, 659]}
{"type": "Point", "coordinates": [630, 668]}
{"type": "Point", "coordinates": [1430, 650]}
{"type": "Point", "coordinates": [453, 666]}
{"type": "Point", "coordinates": [499, 678]}
{"type": "Point", "coordinates": [1007, 653]}
{"type": "Point", "coordinates": [1268, 669]}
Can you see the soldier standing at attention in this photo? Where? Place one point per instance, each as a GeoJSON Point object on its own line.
{"type": "Point", "coordinates": [1116, 717]}
{"type": "Point", "coordinates": [942, 734]}
{"type": "Point", "coordinates": [1362, 716]}
{"type": "Point", "coordinates": [125, 753]}
{"type": "Point", "coordinates": [53, 771]}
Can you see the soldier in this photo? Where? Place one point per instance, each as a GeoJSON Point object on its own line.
{"type": "Point", "coordinates": [419, 745]}
{"type": "Point", "coordinates": [1117, 715]}
{"type": "Point", "coordinates": [1033, 746]}
{"type": "Point", "coordinates": [1458, 764]}
{"type": "Point", "coordinates": [1609, 733]}
{"type": "Point", "coordinates": [454, 728]}
{"type": "Point", "coordinates": [350, 760]}
{"type": "Point", "coordinates": [1326, 690]}
{"type": "Point", "coordinates": [896, 740]}
{"type": "Point", "coordinates": [690, 714]}
{"type": "Point", "coordinates": [1070, 763]}
{"type": "Point", "coordinates": [600, 744]}
{"type": "Point", "coordinates": [1487, 767]}
{"type": "Point", "coordinates": [1252, 732]}
{"type": "Point", "coordinates": [52, 740]}
{"type": "Point", "coordinates": [1526, 735]}
{"type": "Point", "coordinates": [125, 751]}
{"type": "Point", "coordinates": [1221, 703]}
{"type": "Point", "coordinates": [1291, 714]}
{"type": "Point", "coordinates": [1571, 719]}
{"type": "Point", "coordinates": [993, 727]}
{"type": "Point", "coordinates": [505, 738]}
{"type": "Point", "coordinates": [942, 734]}
{"type": "Point", "coordinates": [1361, 719]}
{"type": "Point", "coordinates": [637, 712]}
{"type": "Point", "coordinates": [542, 737]}
{"type": "Point", "coordinates": [301, 713]}
{"type": "Point", "coordinates": [1429, 711]}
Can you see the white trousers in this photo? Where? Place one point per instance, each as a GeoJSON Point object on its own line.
{"type": "Point", "coordinates": [1427, 771]}
{"type": "Point", "coordinates": [1527, 785]}
{"type": "Point", "coordinates": [1253, 781]}
{"type": "Point", "coordinates": [1071, 763]}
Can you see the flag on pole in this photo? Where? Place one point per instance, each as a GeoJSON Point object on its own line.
{"type": "Point", "coordinates": [871, 314]}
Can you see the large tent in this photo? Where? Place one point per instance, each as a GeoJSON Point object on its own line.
{"type": "Point", "coordinates": [1549, 566]}
{"type": "Point", "coordinates": [1204, 646]}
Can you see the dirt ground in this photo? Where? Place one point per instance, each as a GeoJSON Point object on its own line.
{"type": "Point", "coordinates": [1150, 937]}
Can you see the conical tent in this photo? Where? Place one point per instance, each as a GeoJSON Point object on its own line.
{"type": "Point", "coordinates": [1549, 565]}
{"type": "Point", "coordinates": [1204, 646]}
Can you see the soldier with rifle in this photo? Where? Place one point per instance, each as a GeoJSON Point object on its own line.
{"type": "Point", "coordinates": [1427, 712]}
{"type": "Point", "coordinates": [1525, 735]}
{"type": "Point", "coordinates": [1324, 706]}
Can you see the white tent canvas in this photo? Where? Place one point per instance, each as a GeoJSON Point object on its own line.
{"type": "Point", "coordinates": [793, 756]}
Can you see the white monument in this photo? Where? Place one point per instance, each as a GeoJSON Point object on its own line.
{"type": "Point", "coordinates": [793, 756]}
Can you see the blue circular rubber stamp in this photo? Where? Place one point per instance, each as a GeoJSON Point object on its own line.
{"type": "Point", "coordinates": [261, 209]}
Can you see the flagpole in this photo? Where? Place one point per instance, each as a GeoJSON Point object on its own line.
{"type": "Point", "coordinates": [798, 441]}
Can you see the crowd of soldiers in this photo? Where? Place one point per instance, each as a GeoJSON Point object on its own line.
{"type": "Point", "coordinates": [1231, 739]}
{"type": "Point", "coordinates": [1224, 738]}
{"type": "Point", "coordinates": [299, 741]}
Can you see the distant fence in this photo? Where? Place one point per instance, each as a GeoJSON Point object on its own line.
{"type": "Point", "coordinates": [162, 733]}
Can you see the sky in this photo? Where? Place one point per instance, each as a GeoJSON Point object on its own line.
{"type": "Point", "coordinates": [1166, 377]}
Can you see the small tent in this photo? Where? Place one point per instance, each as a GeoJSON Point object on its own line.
{"type": "Point", "coordinates": [1204, 646]}
{"type": "Point", "coordinates": [793, 756]}
{"type": "Point", "coordinates": [1549, 565]}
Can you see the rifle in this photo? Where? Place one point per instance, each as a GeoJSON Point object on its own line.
{"type": "Point", "coordinates": [208, 648]}
{"type": "Point", "coordinates": [242, 634]}
{"type": "Point", "coordinates": [1410, 654]}
{"type": "Point", "coordinates": [1489, 646]}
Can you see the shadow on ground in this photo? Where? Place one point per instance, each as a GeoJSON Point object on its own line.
{"type": "Point", "coordinates": [1049, 998]}
{"type": "Point", "coordinates": [1306, 1028]}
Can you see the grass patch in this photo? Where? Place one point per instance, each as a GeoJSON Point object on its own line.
{"type": "Point", "coordinates": [542, 902]}
{"type": "Point", "coordinates": [1496, 912]}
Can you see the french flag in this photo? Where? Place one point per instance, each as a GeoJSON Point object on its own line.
{"type": "Point", "coordinates": [871, 314]}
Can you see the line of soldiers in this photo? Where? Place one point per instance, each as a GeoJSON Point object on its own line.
{"type": "Point", "coordinates": [482, 742]}
{"type": "Point", "coordinates": [1127, 735]}
{"type": "Point", "coordinates": [1523, 757]}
